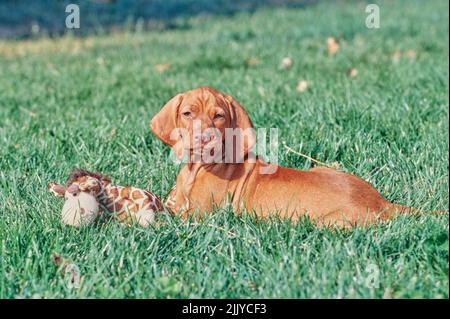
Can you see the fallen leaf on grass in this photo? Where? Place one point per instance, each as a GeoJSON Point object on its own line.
{"type": "Point", "coordinates": [332, 46]}
{"type": "Point", "coordinates": [68, 270]}
{"type": "Point", "coordinates": [302, 86]}
{"type": "Point", "coordinates": [30, 113]}
{"type": "Point", "coordinates": [396, 56]}
{"type": "Point", "coordinates": [352, 72]}
{"type": "Point", "coordinates": [253, 61]}
{"type": "Point", "coordinates": [261, 91]}
{"type": "Point", "coordinates": [286, 63]}
{"type": "Point", "coordinates": [162, 67]}
{"type": "Point", "coordinates": [58, 260]}
{"type": "Point", "coordinates": [411, 54]}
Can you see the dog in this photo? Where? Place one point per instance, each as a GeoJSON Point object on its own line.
{"type": "Point", "coordinates": [327, 196]}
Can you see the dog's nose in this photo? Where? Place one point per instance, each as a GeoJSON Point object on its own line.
{"type": "Point", "coordinates": [73, 189]}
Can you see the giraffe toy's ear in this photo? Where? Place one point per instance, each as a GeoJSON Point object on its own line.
{"type": "Point", "coordinates": [56, 189]}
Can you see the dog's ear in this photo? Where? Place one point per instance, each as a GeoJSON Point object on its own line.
{"type": "Point", "coordinates": [240, 120]}
{"type": "Point", "coordinates": [164, 122]}
{"type": "Point", "coordinates": [56, 189]}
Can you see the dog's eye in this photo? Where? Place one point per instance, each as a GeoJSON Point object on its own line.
{"type": "Point", "coordinates": [187, 114]}
{"type": "Point", "coordinates": [218, 116]}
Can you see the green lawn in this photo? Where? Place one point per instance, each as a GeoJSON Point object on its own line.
{"type": "Point", "coordinates": [87, 102]}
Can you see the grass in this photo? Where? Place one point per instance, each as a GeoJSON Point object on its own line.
{"type": "Point", "coordinates": [87, 102]}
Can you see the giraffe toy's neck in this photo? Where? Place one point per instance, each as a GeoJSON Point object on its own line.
{"type": "Point", "coordinates": [109, 194]}
{"type": "Point", "coordinates": [126, 200]}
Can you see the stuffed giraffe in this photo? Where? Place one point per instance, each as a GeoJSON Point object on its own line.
{"type": "Point", "coordinates": [126, 202]}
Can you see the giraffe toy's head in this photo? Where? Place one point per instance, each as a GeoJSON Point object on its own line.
{"type": "Point", "coordinates": [80, 181]}
{"type": "Point", "coordinates": [80, 193]}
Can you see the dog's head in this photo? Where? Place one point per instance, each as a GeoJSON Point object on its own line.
{"type": "Point", "coordinates": [204, 123]}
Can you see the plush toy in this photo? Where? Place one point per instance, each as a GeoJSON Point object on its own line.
{"type": "Point", "coordinates": [79, 209]}
{"type": "Point", "coordinates": [86, 193]}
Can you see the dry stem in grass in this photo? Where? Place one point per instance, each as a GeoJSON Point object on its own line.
{"type": "Point", "coordinates": [334, 165]}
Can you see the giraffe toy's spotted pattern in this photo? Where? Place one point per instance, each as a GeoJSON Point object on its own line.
{"type": "Point", "coordinates": [126, 202]}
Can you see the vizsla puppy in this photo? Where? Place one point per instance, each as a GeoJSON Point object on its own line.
{"type": "Point", "coordinates": [327, 196]}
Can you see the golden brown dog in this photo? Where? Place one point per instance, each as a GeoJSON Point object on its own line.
{"type": "Point", "coordinates": [327, 196]}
